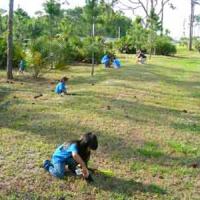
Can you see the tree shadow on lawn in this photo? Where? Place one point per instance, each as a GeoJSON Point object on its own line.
{"type": "Point", "coordinates": [54, 131]}
{"type": "Point", "coordinates": [191, 127]}
{"type": "Point", "coordinates": [104, 182]}
{"type": "Point", "coordinates": [134, 110]}
{"type": "Point", "coordinates": [119, 148]}
{"type": "Point", "coordinates": [4, 91]}
{"type": "Point", "coordinates": [150, 73]}
{"type": "Point", "coordinates": [123, 186]}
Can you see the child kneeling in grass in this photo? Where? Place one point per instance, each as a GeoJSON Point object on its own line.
{"type": "Point", "coordinates": [61, 87]}
{"type": "Point", "coordinates": [73, 154]}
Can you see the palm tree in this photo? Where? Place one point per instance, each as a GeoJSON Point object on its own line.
{"type": "Point", "coordinates": [10, 41]}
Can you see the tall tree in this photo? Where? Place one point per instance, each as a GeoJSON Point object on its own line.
{"type": "Point", "coordinates": [137, 34]}
{"type": "Point", "coordinates": [53, 11]}
{"type": "Point", "coordinates": [21, 23]}
{"type": "Point", "coordinates": [10, 41]}
{"type": "Point", "coordinates": [154, 25]}
{"type": "Point", "coordinates": [146, 6]}
{"type": "Point", "coordinates": [193, 3]}
{"type": "Point", "coordinates": [91, 9]}
{"type": "Point", "coordinates": [161, 13]}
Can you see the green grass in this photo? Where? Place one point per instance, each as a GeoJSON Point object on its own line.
{"type": "Point", "coordinates": [146, 117]}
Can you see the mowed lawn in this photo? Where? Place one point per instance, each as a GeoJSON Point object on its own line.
{"type": "Point", "coordinates": [147, 118]}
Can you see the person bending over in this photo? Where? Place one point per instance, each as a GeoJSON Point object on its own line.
{"type": "Point", "coordinates": [73, 155]}
{"type": "Point", "coordinates": [141, 57]}
{"type": "Point", "coordinates": [61, 87]}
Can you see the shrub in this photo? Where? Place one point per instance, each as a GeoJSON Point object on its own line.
{"type": "Point", "coordinates": [125, 46]}
{"type": "Point", "coordinates": [197, 44]}
{"type": "Point", "coordinates": [164, 46]}
{"type": "Point", "coordinates": [184, 41]}
{"type": "Point", "coordinates": [17, 53]}
{"type": "Point", "coordinates": [37, 55]}
{"type": "Point", "coordinates": [3, 54]}
{"type": "Point", "coordinates": [91, 45]}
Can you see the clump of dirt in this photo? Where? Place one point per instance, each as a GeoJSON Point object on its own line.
{"type": "Point", "coordinates": [195, 165]}
{"type": "Point", "coordinates": [108, 107]}
{"type": "Point", "coordinates": [10, 82]}
{"type": "Point", "coordinates": [37, 96]}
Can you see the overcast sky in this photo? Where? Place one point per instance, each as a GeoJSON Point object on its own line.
{"type": "Point", "coordinates": [174, 19]}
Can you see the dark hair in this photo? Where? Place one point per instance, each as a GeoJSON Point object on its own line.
{"type": "Point", "coordinates": [87, 140]}
{"type": "Point", "coordinates": [64, 79]}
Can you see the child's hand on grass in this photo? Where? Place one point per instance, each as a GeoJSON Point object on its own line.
{"type": "Point", "coordinates": [85, 172]}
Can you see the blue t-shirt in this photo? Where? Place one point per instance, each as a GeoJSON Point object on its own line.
{"type": "Point", "coordinates": [64, 152]}
{"type": "Point", "coordinates": [116, 63]}
{"type": "Point", "coordinates": [60, 87]}
{"type": "Point", "coordinates": [105, 59]}
{"type": "Point", "coordinates": [22, 65]}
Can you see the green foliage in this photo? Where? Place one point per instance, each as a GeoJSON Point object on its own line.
{"type": "Point", "coordinates": [181, 147]}
{"type": "Point", "coordinates": [52, 8]}
{"type": "Point", "coordinates": [37, 55]}
{"type": "Point", "coordinates": [184, 41]}
{"type": "Point", "coordinates": [91, 10]}
{"type": "Point", "coordinates": [164, 46]}
{"type": "Point", "coordinates": [3, 54]}
{"type": "Point", "coordinates": [95, 45]}
{"type": "Point", "coordinates": [21, 25]}
{"type": "Point", "coordinates": [137, 34]}
{"type": "Point", "coordinates": [197, 44]}
{"type": "Point", "coordinates": [154, 25]}
{"type": "Point", "coordinates": [125, 45]}
{"type": "Point", "coordinates": [150, 149]}
{"type": "Point", "coordinates": [146, 39]}
{"type": "Point", "coordinates": [17, 53]}
{"type": "Point", "coordinates": [65, 50]}
{"type": "Point", "coordinates": [38, 27]}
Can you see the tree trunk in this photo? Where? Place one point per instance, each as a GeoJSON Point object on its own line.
{"type": "Point", "coordinates": [162, 16]}
{"type": "Point", "coordinates": [93, 55]}
{"type": "Point", "coordinates": [191, 25]}
{"type": "Point", "coordinates": [10, 41]}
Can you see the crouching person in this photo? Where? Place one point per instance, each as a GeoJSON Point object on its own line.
{"type": "Point", "coordinates": [106, 60]}
{"type": "Point", "coordinates": [74, 154]}
{"type": "Point", "coordinates": [116, 63]}
{"type": "Point", "coordinates": [61, 87]}
{"type": "Point", "coordinates": [140, 57]}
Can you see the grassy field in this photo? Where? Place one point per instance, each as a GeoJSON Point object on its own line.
{"type": "Point", "coordinates": [147, 118]}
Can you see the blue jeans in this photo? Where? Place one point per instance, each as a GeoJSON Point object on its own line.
{"type": "Point", "coordinates": [58, 169]}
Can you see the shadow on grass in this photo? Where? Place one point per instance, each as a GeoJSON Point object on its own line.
{"type": "Point", "coordinates": [134, 110]}
{"type": "Point", "coordinates": [150, 73]}
{"type": "Point", "coordinates": [187, 127]}
{"type": "Point", "coordinates": [56, 131]}
{"type": "Point", "coordinates": [4, 91]}
{"type": "Point", "coordinates": [124, 187]}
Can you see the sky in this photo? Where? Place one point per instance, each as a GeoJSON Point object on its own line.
{"type": "Point", "coordinates": [174, 20]}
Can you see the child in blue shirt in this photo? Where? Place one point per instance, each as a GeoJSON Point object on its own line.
{"type": "Point", "coordinates": [116, 63]}
{"type": "Point", "coordinates": [61, 87]}
{"type": "Point", "coordinates": [22, 65]}
{"type": "Point", "coordinates": [73, 154]}
{"type": "Point", "coordinates": [106, 60]}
